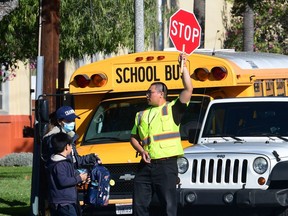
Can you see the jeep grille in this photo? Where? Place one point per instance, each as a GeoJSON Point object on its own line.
{"type": "Point", "coordinates": [219, 171]}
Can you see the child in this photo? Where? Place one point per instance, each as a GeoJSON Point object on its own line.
{"type": "Point", "coordinates": [63, 178]}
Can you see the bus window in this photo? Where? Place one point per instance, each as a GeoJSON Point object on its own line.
{"type": "Point", "coordinates": [113, 121]}
{"type": "Point", "coordinates": [270, 88]}
{"type": "Point", "coordinates": [280, 87]}
{"type": "Point", "coordinates": [258, 88]}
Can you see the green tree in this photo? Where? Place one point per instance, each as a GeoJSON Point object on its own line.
{"type": "Point", "coordinates": [86, 27]}
{"type": "Point", "coordinates": [18, 34]}
{"type": "Point", "coordinates": [270, 29]}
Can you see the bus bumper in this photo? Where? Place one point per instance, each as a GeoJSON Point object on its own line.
{"type": "Point", "coordinates": [115, 207]}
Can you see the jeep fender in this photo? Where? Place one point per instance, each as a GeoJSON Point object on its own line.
{"type": "Point", "coordinates": [279, 172]}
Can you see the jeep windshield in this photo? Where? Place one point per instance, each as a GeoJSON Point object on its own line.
{"type": "Point", "coordinates": [113, 120]}
{"type": "Point", "coordinates": [247, 119]}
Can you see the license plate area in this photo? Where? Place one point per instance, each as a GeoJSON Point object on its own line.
{"type": "Point", "coordinates": [124, 209]}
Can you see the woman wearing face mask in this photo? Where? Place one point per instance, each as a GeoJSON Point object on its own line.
{"type": "Point", "coordinates": [64, 121]}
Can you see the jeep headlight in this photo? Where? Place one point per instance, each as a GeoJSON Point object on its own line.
{"type": "Point", "coordinates": [183, 165]}
{"type": "Point", "coordinates": [260, 165]}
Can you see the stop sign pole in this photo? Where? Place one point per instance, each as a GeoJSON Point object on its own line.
{"type": "Point", "coordinates": [185, 31]}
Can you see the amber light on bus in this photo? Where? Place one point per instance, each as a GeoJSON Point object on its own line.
{"type": "Point", "coordinates": [219, 73]}
{"type": "Point", "coordinates": [99, 79]}
{"type": "Point", "coordinates": [202, 74]}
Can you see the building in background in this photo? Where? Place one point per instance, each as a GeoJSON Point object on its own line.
{"type": "Point", "coordinates": [16, 119]}
{"type": "Point", "coordinates": [17, 99]}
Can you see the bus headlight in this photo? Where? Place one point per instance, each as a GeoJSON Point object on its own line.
{"type": "Point", "coordinates": [260, 165]}
{"type": "Point", "coordinates": [183, 165]}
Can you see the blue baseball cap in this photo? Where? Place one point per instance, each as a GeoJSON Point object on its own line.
{"type": "Point", "coordinates": [67, 113]}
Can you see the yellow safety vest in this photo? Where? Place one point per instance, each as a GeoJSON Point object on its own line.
{"type": "Point", "coordinates": [158, 132]}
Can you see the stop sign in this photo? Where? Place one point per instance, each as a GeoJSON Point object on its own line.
{"type": "Point", "coordinates": [184, 31]}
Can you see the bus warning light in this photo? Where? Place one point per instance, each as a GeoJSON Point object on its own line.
{"type": "Point", "coordinates": [99, 80]}
{"type": "Point", "coordinates": [138, 59]}
{"type": "Point", "coordinates": [149, 58]}
{"type": "Point", "coordinates": [82, 80]}
{"type": "Point", "coordinates": [219, 73]}
{"type": "Point", "coordinates": [160, 57]}
{"type": "Point", "coordinates": [202, 74]}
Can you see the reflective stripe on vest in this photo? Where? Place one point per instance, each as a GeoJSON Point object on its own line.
{"type": "Point", "coordinates": [140, 116]}
{"type": "Point", "coordinates": [146, 141]}
{"type": "Point", "coordinates": [165, 109]}
{"type": "Point", "coordinates": [166, 136]}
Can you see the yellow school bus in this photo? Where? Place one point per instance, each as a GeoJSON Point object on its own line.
{"type": "Point", "coordinates": [108, 93]}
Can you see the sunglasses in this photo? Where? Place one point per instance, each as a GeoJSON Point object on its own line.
{"type": "Point", "coordinates": [149, 92]}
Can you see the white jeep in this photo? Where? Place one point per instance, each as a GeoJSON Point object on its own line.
{"type": "Point", "coordinates": [239, 160]}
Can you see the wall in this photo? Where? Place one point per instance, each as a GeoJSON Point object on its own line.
{"type": "Point", "coordinates": [215, 14]}
{"type": "Point", "coordinates": [18, 115]}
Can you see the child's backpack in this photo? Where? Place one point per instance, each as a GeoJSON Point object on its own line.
{"type": "Point", "coordinates": [99, 187]}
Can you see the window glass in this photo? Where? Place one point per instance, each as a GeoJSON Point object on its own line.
{"type": "Point", "coordinates": [247, 119]}
{"type": "Point", "coordinates": [270, 88]}
{"type": "Point", "coordinates": [280, 87]}
{"type": "Point", "coordinates": [113, 120]}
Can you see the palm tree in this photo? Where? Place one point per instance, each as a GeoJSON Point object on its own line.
{"type": "Point", "coordinates": [248, 26]}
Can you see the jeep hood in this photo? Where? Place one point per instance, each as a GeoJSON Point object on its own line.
{"type": "Point", "coordinates": [246, 148]}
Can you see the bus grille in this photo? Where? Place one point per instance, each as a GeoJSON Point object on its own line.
{"type": "Point", "coordinates": [219, 171]}
{"type": "Point", "coordinates": [123, 175]}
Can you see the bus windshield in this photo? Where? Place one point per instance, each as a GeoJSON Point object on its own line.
{"type": "Point", "coordinates": [113, 120]}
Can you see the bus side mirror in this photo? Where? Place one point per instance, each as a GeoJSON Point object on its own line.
{"type": "Point", "coordinates": [42, 110]}
{"type": "Point", "coordinates": [42, 116]}
{"type": "Point", "coordinates": [193, 135]}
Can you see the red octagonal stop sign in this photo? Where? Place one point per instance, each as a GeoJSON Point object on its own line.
{"type": "Point", "coordinates": [185, 31]}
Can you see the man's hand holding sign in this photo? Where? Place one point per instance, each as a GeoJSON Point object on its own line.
{"type": "Point", "coordinates": [184, 32]}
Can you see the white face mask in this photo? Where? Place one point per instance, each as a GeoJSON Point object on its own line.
{"type": "Point", "coordinates": [69, 126]}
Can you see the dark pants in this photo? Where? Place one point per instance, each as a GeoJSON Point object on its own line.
{"type": "Point", "coordinates": [159, 177]}
{"type": "Point", "coordinates": [65, 210]}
